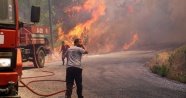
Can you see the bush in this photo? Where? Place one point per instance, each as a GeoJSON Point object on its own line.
{"type": "Point", "coordinates": [161, 70]}
{"type": "Point", "coordinates": [181, 78]}
{"type": "Point", "coordinates": [170, 63]}
{"type": "Point", "coordinates": [164, 71]}
{"type": "Point", "coordinates": [155, 69]}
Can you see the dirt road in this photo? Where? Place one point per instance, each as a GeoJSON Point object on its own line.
{"type": "Point", "coordinates": [115, 75]}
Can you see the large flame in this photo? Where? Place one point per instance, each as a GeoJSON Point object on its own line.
{"type": "Point", "coordinates": [97, 8]}
{"type": "Point", "coordinates": [81, 30]}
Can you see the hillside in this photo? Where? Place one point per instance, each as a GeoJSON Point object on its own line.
{"type": "Point", "coordinates": [170, 63]}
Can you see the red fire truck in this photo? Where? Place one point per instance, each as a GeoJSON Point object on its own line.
{"type": "Point", "coordinates": [19, 42]}
{"type": "Point", "coordinates": [34, 44]}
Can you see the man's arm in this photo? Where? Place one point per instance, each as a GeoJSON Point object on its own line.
{"type": "Point", "coordinates": [85, 48]}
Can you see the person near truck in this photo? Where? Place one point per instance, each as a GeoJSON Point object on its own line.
{"type": "Point", "coordinates": [74, 67]}
{"type": "Point", "coordinates": [64, 48]}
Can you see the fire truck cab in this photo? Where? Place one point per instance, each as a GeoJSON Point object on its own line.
{"type": "Point", "coordinates": [10, 50]}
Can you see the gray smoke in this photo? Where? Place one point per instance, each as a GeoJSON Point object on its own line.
{"type": "Point", "coordinates": [159, 24]}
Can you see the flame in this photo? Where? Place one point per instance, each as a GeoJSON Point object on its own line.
{"type": "Point", "coordinates": [81, 30]}
{"type": "Point", "coordinates": [95, 7]}
{"type": "Point", "coordinates": [134, 39]}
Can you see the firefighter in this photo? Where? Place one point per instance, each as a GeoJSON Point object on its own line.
{"type": "Point", "coordinates": [74, 68]}
{"type": "Point", "coordinates": [64, 48]}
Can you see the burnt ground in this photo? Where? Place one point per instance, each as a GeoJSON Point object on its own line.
{"type": "Point", "coordinates": [114, 75]}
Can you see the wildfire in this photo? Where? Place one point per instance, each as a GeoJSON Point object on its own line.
{"type": "Point", "coordinates": [134, 39]}
{"type": "Point", "coordinates": [96, 8]}
{"type": "Point", "coordinates": [98, 39]}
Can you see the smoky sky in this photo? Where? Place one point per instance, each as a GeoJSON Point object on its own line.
{"type": "Point", "coordinates": [158, 23]}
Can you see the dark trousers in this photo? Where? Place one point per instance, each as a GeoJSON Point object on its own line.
{"type": "Point", "coordinates": [63, 59]}
{"type": "Point", "coordinates": [74, 73]}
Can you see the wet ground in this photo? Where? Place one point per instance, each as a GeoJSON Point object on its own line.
{"type": "Point", "coordinates": [115, 75]}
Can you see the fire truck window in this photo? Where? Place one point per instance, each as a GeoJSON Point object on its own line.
{"type": "Point", "coordinates": [7, 12]}
{"type": "Point", "coordinates": [3, 9]}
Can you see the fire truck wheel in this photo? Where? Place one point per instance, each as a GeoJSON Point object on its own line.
{"type": "Point", "coordinates": [40, 59]}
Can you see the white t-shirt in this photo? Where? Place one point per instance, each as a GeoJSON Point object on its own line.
{"type": "Point", "coordinates": [74, 55]}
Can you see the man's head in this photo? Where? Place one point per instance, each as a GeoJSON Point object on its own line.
{"type": "Point", "coordinates": [78, 42]}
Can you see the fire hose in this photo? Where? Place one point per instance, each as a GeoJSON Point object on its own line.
{"type": "Point", "coordinates": [51, 74]}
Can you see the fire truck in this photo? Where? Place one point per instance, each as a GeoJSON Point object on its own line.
{"type": "Point", "coordinates": [19, 42]}
{"type": "Point", "coordinates": [34, 44]}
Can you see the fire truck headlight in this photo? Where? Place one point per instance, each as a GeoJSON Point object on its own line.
{"type": "Point", "coordinates": [5, 62]}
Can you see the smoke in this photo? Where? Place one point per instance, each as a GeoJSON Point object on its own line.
{"type": "Point", "coordinates": [158, 23]}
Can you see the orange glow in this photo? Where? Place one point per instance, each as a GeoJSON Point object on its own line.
{"type": "Point", "coordinates": [97, 9]}
{"type": "Point", "coordinates": [134, 39]}
{"type": "Point", "coordinates": [60, 33]}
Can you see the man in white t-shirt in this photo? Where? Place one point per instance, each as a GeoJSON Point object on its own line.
{"type": "Point", "coordinates": [74, 68]}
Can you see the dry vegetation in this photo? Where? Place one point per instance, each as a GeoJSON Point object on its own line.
{"type": "Point", "coordinates": [170, 63]}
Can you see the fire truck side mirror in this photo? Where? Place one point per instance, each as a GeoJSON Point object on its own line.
{"type": "Point", "coordinates": [35, 14]}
